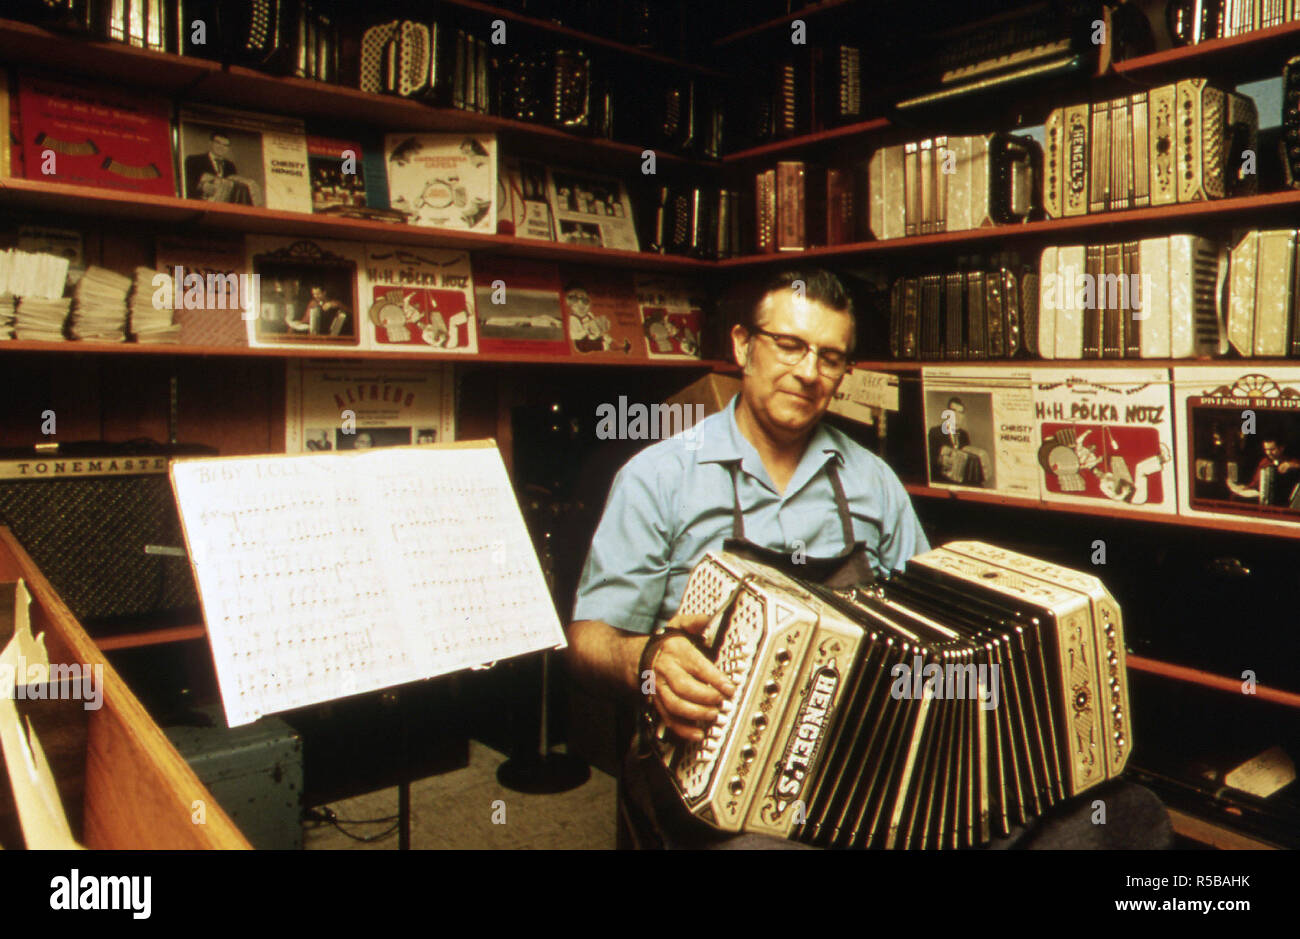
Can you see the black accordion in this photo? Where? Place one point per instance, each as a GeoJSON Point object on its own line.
{"type": "Point", "coordinates": [936, 709]}
{"type": "Point", "coordinates": [957, 315]}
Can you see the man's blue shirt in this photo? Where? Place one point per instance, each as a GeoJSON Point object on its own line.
{"type": "Point", "coordinates": [673, 501]}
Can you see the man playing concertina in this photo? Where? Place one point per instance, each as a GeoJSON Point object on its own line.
{"type": "Point", "coordinates": [764, 478]}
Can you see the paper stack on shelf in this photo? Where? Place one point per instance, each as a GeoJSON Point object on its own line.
{"type": "Point", "coordinates": [8, 307]}
{"type": "Point", "coordinates": [33, 274]}
{"type": "Point", "coordinates": [36, 281]}
{"type": "Point", "coordinates": [152, 307]}
{"type": "Point", "coordinates": [99, 310]}
{"type": "Point", "coordinates": [39, 319]}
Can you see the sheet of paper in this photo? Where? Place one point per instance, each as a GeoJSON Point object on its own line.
{"type": "Point", "coordinates": [864, 394]}
{"type": "Point", "coordinates": [1263, 775]}
{"type": "Point", "coordinates": [326, 575]}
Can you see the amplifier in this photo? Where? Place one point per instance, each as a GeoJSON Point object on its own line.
{"type": "Point", "coordinates": [85, 514]}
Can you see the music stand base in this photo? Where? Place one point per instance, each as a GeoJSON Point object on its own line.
{"type": "Point", "coordinates": [543, 774]}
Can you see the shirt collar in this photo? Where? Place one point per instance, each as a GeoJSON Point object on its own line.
{"type": "Point", "coordinates": [730, 445]}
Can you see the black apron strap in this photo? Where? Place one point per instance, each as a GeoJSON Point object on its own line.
{"type": "Point", "coordinates": [842, 504]}
{"type": "Point", "coordinates": [737, 518]}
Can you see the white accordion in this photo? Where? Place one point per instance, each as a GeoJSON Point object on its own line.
{"type": "Point", "coordinates": [934, 710]}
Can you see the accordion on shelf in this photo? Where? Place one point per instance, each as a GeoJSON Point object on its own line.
{"type": "Point", "coordinates": [1289, 144]}
{"type": "Point", "coordinates": [552, 87]}
{"type": "Point", "coordinates": [838, 84]}
{"type": "Point", "coordinates": [956, 316]}
{"type": "Point", "coordinates": [803, 205]}
{"type": "Point", "coordinates": [1153, 298]}
{"type": "Point", "coordinates": [431, 61]}
{"type": "Point", "coordinates": [968, 694]}
{"type": "Point", "coordinates": [953, 184]}
{"type": "Point", "coordinates": [696, 222]}
{"type": "Point", "coordinates": [1028, 42]}
{"type": "Point", "coordinates": [1182, 142]}
{"type": "Point", "coordinates": [1262, 309]}
{"type": "Point", "coordinates": [1195, 21]}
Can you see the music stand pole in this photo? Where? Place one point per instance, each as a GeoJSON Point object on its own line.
{"type": "Point", "coordinates": [544, 771]}
{"type": "Point", "coordinates": [404, 787]}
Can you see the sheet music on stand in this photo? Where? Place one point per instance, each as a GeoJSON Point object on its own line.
{"type": "Point", "coordinates": [332, 574]}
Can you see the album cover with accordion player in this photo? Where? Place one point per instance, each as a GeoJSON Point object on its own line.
{"type": "Point", "coordinates": [937, 709]}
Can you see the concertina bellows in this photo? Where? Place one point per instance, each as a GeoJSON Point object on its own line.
{"type": "Point", "coordinates": [935, 709]}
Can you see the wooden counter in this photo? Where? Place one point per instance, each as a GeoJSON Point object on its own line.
{"type": "Point", "coordinates": [139, 792]}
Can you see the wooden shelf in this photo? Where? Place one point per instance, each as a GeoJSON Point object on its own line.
{"type": "Point", "coordinates": [200, 80]}
{"type": "Point", "coordinates": [1191, 213]}
{"type": "Point", "coordinates": [112, 63]}
{"type": "Point", "coordinates": [73, 347]}
{"type": "Point", "coordinates": [635, 52]}
{"type": "Point", "coordinates": [152, 637]}
{"type": "Point", "coordinates": [45, 197]}
{"type": "Point", "coordinates": [1254, 52]}
{"type": "Point", "coordinates": [763, 27]}
{"type": "Point", "coordinates": [236, 86]}
{"type": "Point", "coordinates": [807, 141]}
{"type": "Point", "coordinates": [993, 365]}
{"type": "Point", "coordinates": [1245, 526]}
{"type": "Point", "coordinates": [1209, 680]}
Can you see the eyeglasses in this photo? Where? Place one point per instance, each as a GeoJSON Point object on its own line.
{"type": "Point", "coordinates": [790, 350]}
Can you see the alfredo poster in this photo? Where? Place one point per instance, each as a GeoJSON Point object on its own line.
{"type": "Point", "coordinates": [359, 405]}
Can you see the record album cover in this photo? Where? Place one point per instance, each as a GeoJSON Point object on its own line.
{"type": "Point", "coordinates": [94, 136]}
{"type": "Point", "coordinates": [304, 292]}
{"type": "Point", "coordinates": [672, 315]}
{"type": "Point", "coordinates": [244, 158]}
{"type": "Point", "coordinates": [518, 307]}
{"type": "Point", "coordinates": [213, 287]}
{"type": "Point", "coordinates": [522, 196]}
{"type": "Point", "coordinates": [359, 405]}
{"type": "Point", "coordinates": [418, 299]}
{"type": "Point", "coordinates": [591, 210]}
{"type": "Point", "coordinates": [979, 429]}
{"type": "Point", "coordinates": [1239, 442]}
{"type": "Point", "coordinates": [1105, 436]}
{"type": "Point", "coordinates": [601, 313]}
{"type": "Point", "coordinates": [444, 180]}
{"type": "Point", "coordinates": [338, 177]}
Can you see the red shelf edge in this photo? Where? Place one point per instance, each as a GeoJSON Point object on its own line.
{"type": "Point", "coordinates": [254, 220]}
{"type": "Point", "coordinates": [1196, 676]}
{"type": "Point", "coordinates": [1276, 529]}
{"type": "Point", "coordinates": [317, 352]}
{"type": "Point", "coordinates": [808, 140]}
{"type": "Point", "coordinates": [152, 637]}
{"type": "Point", "coordinates": [1189, 211]}
{"type": "Point", "coordinates": [1208, 49]}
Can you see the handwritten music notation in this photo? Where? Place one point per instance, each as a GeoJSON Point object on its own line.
{"type": "Point", "coordinates": [327, 575]}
